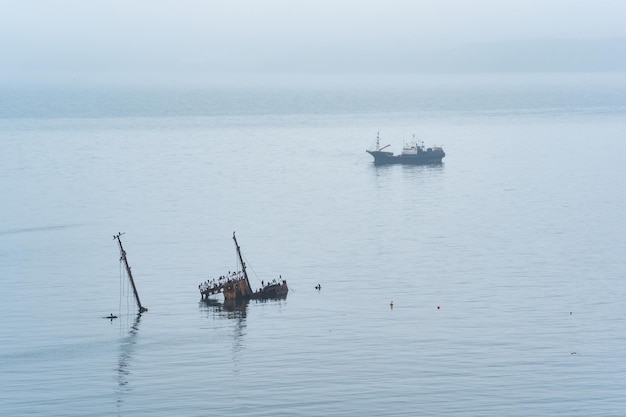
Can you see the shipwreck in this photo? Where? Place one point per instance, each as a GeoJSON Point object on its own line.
{"type": "Point", "coordinates": [235, 286]}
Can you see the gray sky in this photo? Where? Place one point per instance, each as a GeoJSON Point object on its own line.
{"type": "Point", "coordinates": [40, 36]}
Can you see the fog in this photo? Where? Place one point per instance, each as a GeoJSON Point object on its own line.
{"type": "Point", "coordinates": [48, 38]}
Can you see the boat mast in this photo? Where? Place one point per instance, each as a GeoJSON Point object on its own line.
{"type": "Point", "coordinates": [130, 275]}
{"type": "Point", "coordinates": [378, 148]}
{"type": "Point", "coordinates": [243, 265]}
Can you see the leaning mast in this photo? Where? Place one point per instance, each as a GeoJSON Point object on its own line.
{"type": "Point", "coordinates": [130, 275]}
{"type": "Point", "coordinates": [243, 265]}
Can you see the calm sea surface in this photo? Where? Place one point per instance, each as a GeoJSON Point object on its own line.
{"type": "Point", "coordinates": [506, 264]}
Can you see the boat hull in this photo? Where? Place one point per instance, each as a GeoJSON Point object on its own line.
{"type": "Point", "coordinates": [237, 289]}
{"type": "Point", "coordinates": [271, 291]}
{"type": "Point", "coordinates": [430, 156]}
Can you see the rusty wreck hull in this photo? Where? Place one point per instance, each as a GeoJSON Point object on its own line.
{"type": "Point", "coordinates": [240, 290]}
{"type": "Point", "coordinates": [237, 290]}
{"type": "Point", "coordinates": [271, 291]}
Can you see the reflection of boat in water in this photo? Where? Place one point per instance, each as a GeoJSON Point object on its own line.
{"type": "Point", "coordinates": [412, 154]}
{"type": "Point", "coordinates": [231, 309]}
{"type": "Point", "coordinates": [236, 285]}
{"type": "Point", "coordinates": [142, 309]}
{"type": "Point", "coordinates": [235, 312]}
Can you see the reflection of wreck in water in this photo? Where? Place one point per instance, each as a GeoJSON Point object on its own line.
{"type": "Point", "coordinates": [127, 348]}
{"type": "Point", "coordinates": [235, 310]}
{"type": "Point", "coordinates": [236, 285]}
{"type": "Point", "coordinates": [230, 309]}
{"type": "Point", "coordinates": [233, 314]}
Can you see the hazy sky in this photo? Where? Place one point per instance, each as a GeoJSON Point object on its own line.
{"type": "Point", "coordinates": [278, 35]}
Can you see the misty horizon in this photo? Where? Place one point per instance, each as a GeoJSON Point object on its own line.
{"type": "Point", "coordinates": [42, 40]}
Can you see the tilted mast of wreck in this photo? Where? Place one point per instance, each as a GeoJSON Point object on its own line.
{"type": "Point", "coordinates": [243, 265]}
{"type": "Point", "coordinates": [142, 309]}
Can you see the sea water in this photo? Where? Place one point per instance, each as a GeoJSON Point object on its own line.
{"type": "Point", "coordinates": [505, 264]}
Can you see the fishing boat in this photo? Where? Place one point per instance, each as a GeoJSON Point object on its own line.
{"type": "Point", "coordinates": [236, 285]}
{"type": "Point", "coordinates": [412, 154]}
{"type": "Point", "coordinates": [123, 259]}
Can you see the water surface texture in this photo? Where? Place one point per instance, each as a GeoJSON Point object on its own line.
{"type": "Point", "coordinates": [505, 264]}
